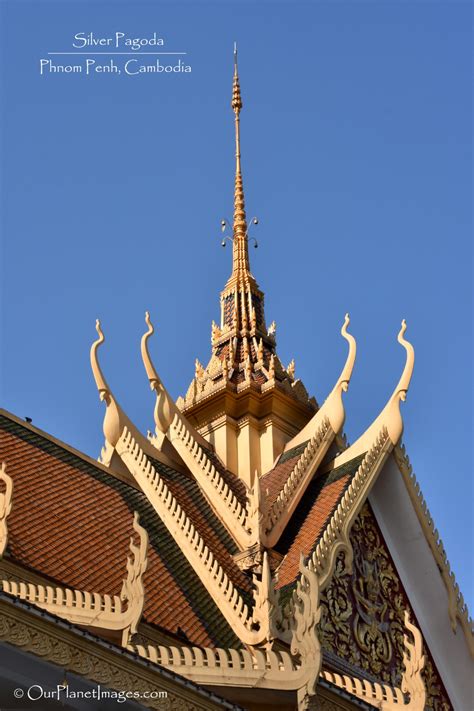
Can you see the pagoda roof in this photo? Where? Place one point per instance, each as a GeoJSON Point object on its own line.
{"type": "Point", "coordinates": [70, 524]}
{"type": "Point", "coordinates": [232, 557]}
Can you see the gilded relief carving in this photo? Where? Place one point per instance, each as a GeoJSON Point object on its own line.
{"type": "Point", "coordinates": [362, 618]}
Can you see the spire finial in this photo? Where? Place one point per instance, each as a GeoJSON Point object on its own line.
{"type": "Point", "coordinates": [236, 97]}
{"type": "Point", "coordinates": [240, 262]}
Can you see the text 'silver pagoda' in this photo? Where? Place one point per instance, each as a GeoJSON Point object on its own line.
{"type": "Point", "coordinates": [241, 556]}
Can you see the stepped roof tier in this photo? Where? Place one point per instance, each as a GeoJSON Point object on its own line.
{"type": "Point", "coordinates": [243, 547]}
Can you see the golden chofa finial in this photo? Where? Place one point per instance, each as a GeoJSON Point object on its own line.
{"type": "Point", "coordinates": [164, 406]}
{"type": "Point", "coordinates": [346, 374]}
{"type": "Point", "coordinates": [147, 362]}
{"type": "Point", "coordinates": [404, 382]}
{"type": "Point", "coordinates": [102, 387]}
{"type": "Point", "coordinates": [333, 407]}
{"type": "Point", "coordinates": [390, 417]}
{"type": "Point", "coordinates": [114, 419]}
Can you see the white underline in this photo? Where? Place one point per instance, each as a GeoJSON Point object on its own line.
{"type": "Point", "coordinates": [121, 53]}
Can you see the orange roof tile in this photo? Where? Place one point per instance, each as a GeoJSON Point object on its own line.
{"type": "Point", "coordinates": [71, 522]}
{"type": "Point", "coordinates": [273, 481]}
{"type": "Point", "coordinates": [311, 517]}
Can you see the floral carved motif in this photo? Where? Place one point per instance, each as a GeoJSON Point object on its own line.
{"type": "Point", "coordinates": [362, 619]}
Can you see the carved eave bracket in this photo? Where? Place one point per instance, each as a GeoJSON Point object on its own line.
{"type": "Point", "coordinates": [303, 615]}
{"type": "Point", "coordinates": [267, 609]}
{"type": "Point", "coordinates": [333, 407]}
{"type": "Point", "coordinates": [5, 507]}
{"type": "Point", "coordinates": [133, 590]}
{"type": "Point", "coordinates": [91, 609]}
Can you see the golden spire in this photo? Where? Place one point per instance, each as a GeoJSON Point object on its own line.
{"type": "Point", "coordinates": [240, 256]}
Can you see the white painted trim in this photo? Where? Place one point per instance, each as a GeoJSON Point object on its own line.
{"type": "Point", "coordinates": [423, 583]}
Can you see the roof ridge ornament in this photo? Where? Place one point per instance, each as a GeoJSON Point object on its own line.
{"type": "Point", "coordinates": [404, 382]}
{"type": "Point", "coordinates": [100, 381]}
{"type": "Point", "coordinates": [165, 409]}
{"type": "Point", "coordinates": [390, 417]}
{"type": "Point", "coordinates": [149, 367]}
{"type": "Point", "coordinates": [333, 406]}
{"type": "Point", "coordinates": [345, 377]}
{"type": "Point", "coordinates": [115, 419]}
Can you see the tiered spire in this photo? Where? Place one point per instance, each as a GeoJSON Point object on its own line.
{"type": "Point", "coordinates": [244, 363]}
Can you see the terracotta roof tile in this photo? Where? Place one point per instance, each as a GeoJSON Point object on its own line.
{"type": "Point", "coordinates": [274, 480]}
{"type": "Point", "coordinates": [311, 518]}
{"type": "Point", "coordinates": [235, 484]}
{"type": "Point", "coordinates": [71, 522]}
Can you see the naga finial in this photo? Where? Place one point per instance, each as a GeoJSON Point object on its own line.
{"type": "Point", "coordinates": [164, 407]}
{"type": "Point", "coordinates": [102, 387]}
{"type": "Point", "coordinates": [404, 382]}
{"type": "Point", "coordinates": [349, 366]}
{"type": "Point", "coordinates": [114, 417]}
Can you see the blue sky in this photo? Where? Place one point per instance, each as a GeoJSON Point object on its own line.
{"type": "Point", "coordinates": [356, 141]}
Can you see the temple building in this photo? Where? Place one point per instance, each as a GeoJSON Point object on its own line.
{"type": "Point", "coordinates": [243, 555]}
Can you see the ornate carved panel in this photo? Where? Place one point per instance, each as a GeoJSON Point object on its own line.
{"type": "Point", "coordinates": [362, 613]}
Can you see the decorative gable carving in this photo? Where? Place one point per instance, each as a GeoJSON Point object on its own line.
{"type": "Point", "coordinates": [362, 620]}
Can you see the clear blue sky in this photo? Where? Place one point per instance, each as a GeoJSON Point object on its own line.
{"type": "Point", "coordinates": [356, 139]}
